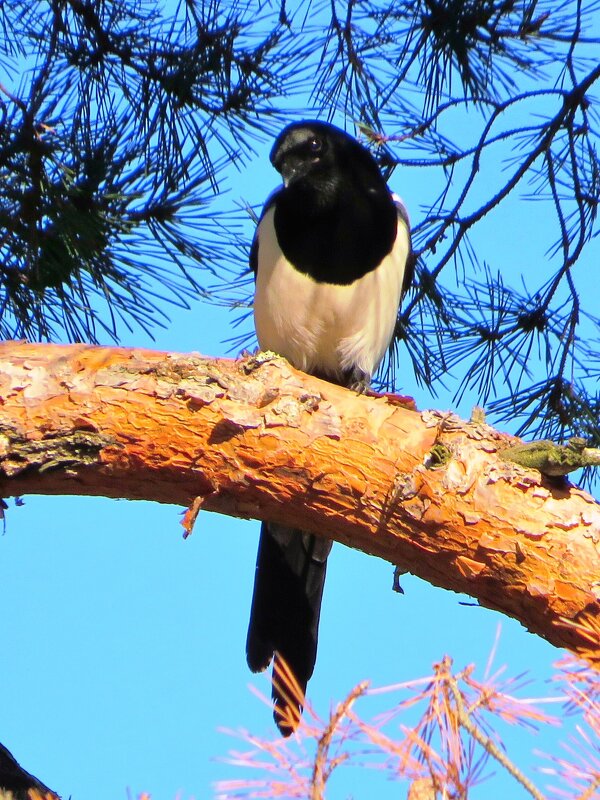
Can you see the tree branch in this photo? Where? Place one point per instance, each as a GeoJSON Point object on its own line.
{"type": "Point", "coordinates": [255, 438]}
{"type": "Point", "coordinates": [18, 784]}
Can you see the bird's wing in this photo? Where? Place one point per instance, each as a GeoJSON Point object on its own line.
{"type": "Point", "coordinates": [253, 257]}
{"type": "Point", "coordinates": [409, 270]}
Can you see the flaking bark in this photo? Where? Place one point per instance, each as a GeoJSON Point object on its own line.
{"type": "Point", "coordinates": [255, 438]}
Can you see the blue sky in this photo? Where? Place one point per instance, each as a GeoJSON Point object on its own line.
{"type": "Point", "coordinates": [123, 644]}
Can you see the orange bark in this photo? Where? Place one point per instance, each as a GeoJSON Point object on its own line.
{"type": "Point", "coordinates": [255, 438]}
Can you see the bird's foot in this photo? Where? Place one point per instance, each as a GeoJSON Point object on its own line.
{"type": "Point", "coordinates": [359, 381]}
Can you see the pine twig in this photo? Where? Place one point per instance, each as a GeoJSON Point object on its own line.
{"type": "Point", "coordinates": [320, 773]}
{"type": "Point", "coordinates": [485, 741]}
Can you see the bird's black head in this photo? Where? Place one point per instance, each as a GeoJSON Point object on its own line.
{"type": "Point", "coordinates": [335, 218]}
{"type": "Point", "coordinates": [320, 152]}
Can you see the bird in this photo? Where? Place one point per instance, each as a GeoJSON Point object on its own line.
{"type": "Point", "coordinates": [331, 257]}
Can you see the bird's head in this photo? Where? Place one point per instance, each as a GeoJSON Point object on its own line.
{"type": "Point", "coordinates": [320, 153]}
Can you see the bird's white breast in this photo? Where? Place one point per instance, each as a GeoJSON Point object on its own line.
{"type": "Point", "coordinates": [321, 326]}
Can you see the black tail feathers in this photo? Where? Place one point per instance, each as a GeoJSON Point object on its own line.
{"type": "Point", "coordinates": [284, 620]}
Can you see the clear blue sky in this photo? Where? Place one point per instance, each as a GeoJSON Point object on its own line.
{"type": "Point", "coordinates": [123, 644]}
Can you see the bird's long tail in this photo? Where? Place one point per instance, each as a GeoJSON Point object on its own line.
{"type": "Point", "coordinates": [284, 619]}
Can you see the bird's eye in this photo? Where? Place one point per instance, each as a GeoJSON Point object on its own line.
{"type": "Point", "coordinates": [315, 146]}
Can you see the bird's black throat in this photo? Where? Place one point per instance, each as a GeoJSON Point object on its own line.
{"type": "Point", "coordinates": [338, 235]}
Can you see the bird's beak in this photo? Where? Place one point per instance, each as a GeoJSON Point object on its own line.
{"type": "Point", "coordinates": [288, 172]}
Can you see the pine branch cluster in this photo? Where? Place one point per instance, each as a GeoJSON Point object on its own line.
{"type": "Point", "coordinates": [442, 737]}
{"type": "Point", "coordinates": [116, 122]}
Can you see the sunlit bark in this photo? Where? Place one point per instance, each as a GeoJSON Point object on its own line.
{"type": "Point", "coordinates": [255, 438]}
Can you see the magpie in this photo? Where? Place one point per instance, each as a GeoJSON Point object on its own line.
{"type": "Point", "coordinates": [331, 257]}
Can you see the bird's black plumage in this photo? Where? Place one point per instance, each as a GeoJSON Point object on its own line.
{"type": "Point", "coordinates": [331, 257]}
{"type": "Point", "coordinates": [286, 606]}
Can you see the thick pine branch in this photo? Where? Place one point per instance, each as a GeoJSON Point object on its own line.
{"type": "Point", "coordinates": [255, 438]}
